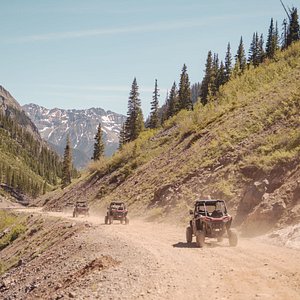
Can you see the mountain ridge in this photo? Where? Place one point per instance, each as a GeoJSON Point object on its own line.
{"type": "Point", "coordinates": [27, 165]}
{"type": "Point", "coordinates": [81, 124]}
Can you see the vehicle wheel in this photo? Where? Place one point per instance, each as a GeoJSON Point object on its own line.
{"type": "Point", "coordinates": [220, 239]}
{"type": "Point", "coordinates": [233, 239]}
{"type": "Point", "coordinates": [126, 221]}
{"type": "Point", "coordinates": [74, 215]}
{"type": "Point", "coordinates": [200, 238]}
{"type": "Point", "coordinates": [189, 234]}
{"type": "Point", "coordinates": [122, 221]}
{"type": "Point", "coordinates": [106, 220]}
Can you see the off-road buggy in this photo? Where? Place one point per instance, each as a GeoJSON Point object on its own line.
{"type": "Point", "coordinates": [210, 219]}
{"type": "Point", "coordinates": [81, 208]}
{"type": "Point", "coordinates": [116, 211]}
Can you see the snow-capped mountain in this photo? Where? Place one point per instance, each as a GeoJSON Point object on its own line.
{"type": "Point", "coordinates": [55, 124]}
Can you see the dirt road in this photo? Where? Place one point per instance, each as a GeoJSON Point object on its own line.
{"type": "Point", "coordinates": [154, 262]}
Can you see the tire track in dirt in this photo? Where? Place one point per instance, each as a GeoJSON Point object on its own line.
{"type": "Point", "coordinates": [156, 263]}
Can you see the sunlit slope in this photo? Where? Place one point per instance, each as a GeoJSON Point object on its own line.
{"type": "Point", "coordinates": [243, 147]}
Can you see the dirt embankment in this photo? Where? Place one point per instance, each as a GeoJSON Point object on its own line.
{"type": "Point", "coordinates": [90, 260]}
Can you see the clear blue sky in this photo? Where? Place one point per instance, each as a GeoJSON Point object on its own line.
{"type": "Point", "coordinates": [85, 53]}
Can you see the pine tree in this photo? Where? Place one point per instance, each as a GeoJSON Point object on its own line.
{"type": "Point", "coordinates": [67, 164]}
{"type": "Point", "coordinates": [221, 78]}
{"type": "Point", "coordinates": [284, 34]}
{"type": "Point", "coordinates": [228, 63]}
{"type": "Point", "coordinates": [241, 56]}
{"type": "Point", "coordinates": [272, 44]}
{"type": "Point", "coordinates": [154, 119]}
{"type": "Point", "coordinates": [134, 123]}
{"type": "Point", "coordinates": [122, 139]}
{"type": "Point", "coordinates": [195, 91]}
{"type": "Point", "coordinates": [214, 76]}
{"type": "Point", "coordinates": [293, 30]}
{"type": "Point", "coordinates": [253, 57]}
{"type": "Point", "coordinates": [184, 93]}
{"type": "Point", "coordinates": [205, 85]}
{"type": "Point", "coordinates": [172, 102]}
{"type": "Point", "coordinates": [261, 51]}
{"type": "Point", "coordinates": [99, 144]}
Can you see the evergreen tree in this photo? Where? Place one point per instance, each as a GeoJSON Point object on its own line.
{"type": "Point", "coordinates": [228, 63]}
{"type": "Point", "coordinates": [99, 144]}
{"type": "Point", "coordinates": [272, 41]}
{"type": "Point", "coordinates": [195, 91]}
{"type": "Point", "coordinates": [284, 34]}
{"type": "Point", "coordinates": [221, 78]}
{"type": "Point", "coordinates": [134, 123]}
{"type": "Point", "coordinates": [184, 93]}
{"type": "Point", "coordinates": [205, 85]}
{"type": "Point", "coordinates": [213, 86]}
{"type": "Point", "coordinates": [67, 164]}
{"type": "Point", "coordinates": [293, 30]}
{"type": "Point", "coordinates": [261, 51]}
{"type": "Point", "coordinates": [122, 139]}
{"type": "Point", "coordinates": [240, 57]}
{"type": "Point", "coordinates": [253, 57]}
{"type": "Point", "coordinates": [154, 119]}
{"type": "Point", "coordinates": [172, 102]}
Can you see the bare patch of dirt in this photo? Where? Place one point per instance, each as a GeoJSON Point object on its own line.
{"type": "Point", "coordinates": [149, 261]}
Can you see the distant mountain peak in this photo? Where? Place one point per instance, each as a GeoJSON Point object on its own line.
{"type": "Point", "coordinates": [81, 124]}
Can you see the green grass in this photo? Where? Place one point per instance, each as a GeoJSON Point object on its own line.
{"type": "Point", "coordinates": [14, 227]}
{"type": "Point", "coordinates": [254, 120]}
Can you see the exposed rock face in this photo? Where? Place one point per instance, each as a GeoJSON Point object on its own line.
{"type": "Point", "coordinates": [55, 124]}
{"type": "Point", "coordinates": [10, 107]}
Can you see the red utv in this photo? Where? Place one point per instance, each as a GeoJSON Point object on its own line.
{"type": "Point", "coordinates": [210, 219]}
{"type": "Point", "coordinates": [116, 211]}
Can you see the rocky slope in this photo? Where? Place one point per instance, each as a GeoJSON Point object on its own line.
{"type": "Point", "coordinates": [10, 107]}
{"type": "Point", "coordinates": [55, 124]}
{"type": "Point", "coordinates": [243, 147]}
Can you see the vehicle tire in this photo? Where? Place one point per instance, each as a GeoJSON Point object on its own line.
{"type": "Point", "coordinates": [233, 239]}
{"type": "Point", "coordinates": [74, 214]}
{"type": "Point", "coordinates": [122, 221]}
{"type": "Point", "coordinates": [106, 220]}
{"type": "Point", "coordinates": [126, 221]}
{"type": "Point", "coordinates": [220, 239]}
{"type": "Point", "coordinates": [200, 238]}
{"type": "Point", "coordinates": [189, 234]}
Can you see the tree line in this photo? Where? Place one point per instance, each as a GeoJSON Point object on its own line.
{"type": "Point", "coordinates": [27, 164]}
{"type": "Point", "coordinates": [216, 74]}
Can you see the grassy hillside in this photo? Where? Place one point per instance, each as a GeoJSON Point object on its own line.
{"type": "Point", "coordinates": [243, 147]}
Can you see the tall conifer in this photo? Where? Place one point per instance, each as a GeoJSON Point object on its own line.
{"type": "Point", "coordinates": [99, 144]}
{"type": "Point", "coordinates": [67, 164]}
{"type": "Point", "coordinates": [272, 44]}
{"type": "Point", "coordinates": [184, 93]}
{"type": "Point", "coordinates": [293, 29]}
{"type": "Point", "coordinates": [172, 102]}
{"type": "Point", "coordinates": [240, 57]}
{"type": "Point", "coordinates": [134, 123]}
{"type": "Point", "coordinates": [154, 119]}
{"type": "Point", "coordinates": [205, 85]}
{"type": "Point", "coordinates": [228, 63]}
